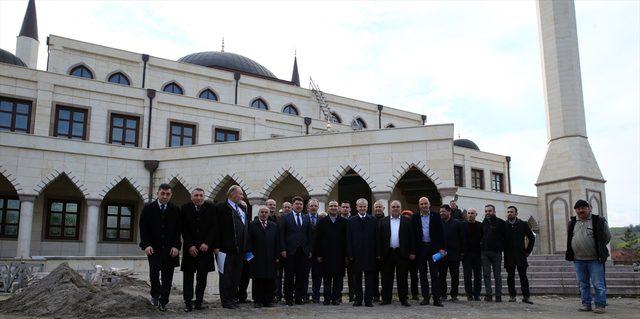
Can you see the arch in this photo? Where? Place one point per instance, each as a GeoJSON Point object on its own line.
{"type": "Point", "coordinates": [282, 175]}
{"type": "Point", "coordinates": [259, 103]}
{"type": "Point", "coordinates": [290, 109]}
{"type": "Point", "coordinates": [119, 77]}
{"type": "Point", "coordinates": [120, 210]}
{"type": "Point", "coordinates": [181, 192]}
{"type": "Point", "coordinates": [54, 175]}
{"type": "Point", "coordinates": [208, 94]}
{"type": "Point", "coordinates": [81, 70]}
{"type": "Point", "coordinates": [173, 87]}
{"type": "Point", "coordinates": [10, 179]}
{"type": "Point", "coordinates": [421, 166]}
{"type": "Point", "coordinates": [9, 209]}
{"type": "Point", "coordinates": [390, 125]}
{"type": "Point", "coordinates": [350, 183]}
{"type": "Point", "coordinates": [65, 208]}
{"type": "Point", "coordinates": [358, 123]}
{"type": "Point", "coordinates": [219, 189]}
{"type": "Point", "coordinates": [558, 238]}
{"type": "Point", "coordinates": [119, 179]}
{"type": "Point", "coordinates": [335, 118]}
{"type": "Point", "coordinates": [596, 208]}
{"type": "Point", "coordinates": [412, 185]}
{"type": "Point", "coordinates": [341, 171]}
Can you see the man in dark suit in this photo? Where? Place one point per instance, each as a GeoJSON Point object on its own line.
{"type": "Point", "coordinates": [264, 243]}
{"type": "Point", "coordinates": [345, 212]}
{"type": "Point", "coordinates": [160, 240]}
{"type": "Point", "coordinates": [245, 277]}
{"type": "Point", "coordinates": [516, 253]}
{"type": "Point", "coordinates": [362, 232]}
{"type": "Point", "coordinates": [232, 239]}
{"type": "Point", "coordinates": [330, 252]}
{"type": "Point", "coordinates": [429, 237]}
{"type": "Point", "coordinates": [274, 216]}
{"type": "Point", "coordinates": [494, 237]}
{"type": "Point", "coordinates": [295, 236]}
{"type": "Point", "coordinates": [396, 248]}
{"type": "Point", "coordinates": [378, 214]}
{"type": "Point", "coordinates": [471, 262]}
{"type": "Point", "coordinates": [454, 245]}
{"type": "Point", "coordinates": [314, 266]}
{"type": "Point", "coordinates": [198, 230]}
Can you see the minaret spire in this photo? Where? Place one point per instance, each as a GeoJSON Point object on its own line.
{"type": "Point", "coordinates": [27, 43]}
{"type": "Point", "coordinates": [295, 77]}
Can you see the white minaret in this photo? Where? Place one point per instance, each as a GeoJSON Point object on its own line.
{"type": "Point", "coordinates": [569, 171]}
{"type": "Point", "coordinates": [27, 44]}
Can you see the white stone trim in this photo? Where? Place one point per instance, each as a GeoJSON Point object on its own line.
{"type": "Point", "coordinates": [421, 166]}
{"type": "Point", "coordinates": [54, 175]}
{"type": "Point", "coordinates": [341, 170]}
{"type": "Point", "coordinates": [139, 190]}
{"type": "Point", "coordinates": [11, 178]}
{"type": "Point", "coordinates": [280, 175]}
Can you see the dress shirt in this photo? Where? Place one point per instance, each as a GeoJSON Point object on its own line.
{"type": "Point", "coordinates": [395, 232]}
{"type": "Point", "coordinates": [426, 220]}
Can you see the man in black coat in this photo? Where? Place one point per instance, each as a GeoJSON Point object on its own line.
{"type": "Point", "coordinates": [362, 232]}
{"type": "Point", "coordinates": [274, 216]}
{"type": "Point", "coordinates": [454, 245]}
{"type": "Point", "coordinates": [378, 214]}
{"type": "Point", "coordinates": [295, 237]}
{"type": "Point", "coordinates": [160, 240]}
{"type": "Point", "coordinates": [427, 228]}
{"type": "Point", "coordinates": [456, 212]}
{"type": "Point", "coordinates": [494, 237]}
{"type": "Point", "coordinates": [471, 262]}
{"type": "Point", "coordinates": [314, 266]}
{"type": "Point", "coordinates": [396, 248]}
{"type": "Point", "coordinates": [516, 253]}
{"type": "Point", "coordinates": [330, 251]}
{"type": "Point", "coordinates": [231, 240]}
{"type": "Point", "coordinates": [345, 212]}
{"type": "Point", "coordinates": [198, 233]}
{"type": "Point", "coordinates": [264, 244]}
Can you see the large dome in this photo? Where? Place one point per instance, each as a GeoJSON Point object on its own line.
{"type": "Point", "coordinates": [463, 142]}
{"type": "Point", "coordinates": [228, 61]}
{"type": "Point", "coordinates": [9, 58]}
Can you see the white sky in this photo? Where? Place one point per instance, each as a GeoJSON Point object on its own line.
{"type": "Point", "coordinates": [475, 64]}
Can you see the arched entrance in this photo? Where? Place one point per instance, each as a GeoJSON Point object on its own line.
{"type": "Point", "coordinates": [350, 188]}
{"type": "Point", "coordinates": [9, 209]}
{"type": "Point", "coordinates": [413, 185]}
{"type": "Point", "coordinates": [286, 189]}
{"type": "Point", "coordinates": [181, 194]}
{"type": "Point", "coordinates": [120, 212]}
{"type": "Point", "coordinates": [64, 210]}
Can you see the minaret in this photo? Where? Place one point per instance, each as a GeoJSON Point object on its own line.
{"type": "Point", "coordinates": [27, 43]}
{"type": "Point", "coordinates": [295, 78]}
{"type": "Point", "coordinates": [569, 171]}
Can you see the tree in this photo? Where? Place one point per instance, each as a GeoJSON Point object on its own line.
{"type": "Point", "coordinates": [630, 240]}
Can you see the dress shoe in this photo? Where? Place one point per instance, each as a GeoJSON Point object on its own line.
{"type": "Point", "coordinates": [488, 298]}
{"type": "Point", "coordinates": [257, 305]}
{"type": "Point", "coordinates": [376, 299]}
{"type": "Point", "coordinates": [498, 298]}
{"type": "Point", "coordinates": [512, 299]}
{"type": "Point", "coordinates": [188, 308]}
{"type": "Point", "coordinates": [454, 299]}
{"type": "Point", "coordinates": [415, 297]}
{"type": "Point", "coordinates": [527, 300]}
{"type": "Point", "coordinates": [368, 304]}
{"type": "Point", "coordinates": [299, 302]}
{"type": "Point", "coordinates": [336, 302]}
{"type": "Point", "coordinates": [437, 303]}
{"type": "Point", "coordinates": [326, 302]}
{"type": "Point", "coordinates": [268, 305]}
{"type": "Point", "coordinates": [289, 302]}
{"type": "Point", "coordinates": [424, 302]}
{"type": "Point", "coordinates": [244, 301]}
{"type": "Point", "coordinates": [154, 301]}
{"type": "Point", "coordinates": [385, 302]}
{"type": "Point", "coordinates": [357, 304]}
{"type": "Point", "coordinates": [315, 300]}
{"type": "Point", "coordinates": [199, 306]}
{"type": "Point", "coordinates": [162, 307]}
{"type": "Point", "coordinates": [469, 298]}
{"type": "Point", "coordinates": [405, 303]}
{"type": "Point", "coordinates": [476, 298]}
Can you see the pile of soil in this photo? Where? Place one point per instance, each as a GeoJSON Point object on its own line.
{"type": "Point", "coordinates": [64, 293]}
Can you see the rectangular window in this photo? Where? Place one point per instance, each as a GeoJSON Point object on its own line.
{"type": "Point", "coordinates": [477, 179]}
{"type": "Point", "coordinates": [497, 182]}
{"type": "Point", "coordinates": [71, 122]}
{"type": "Point", "coordinates": [182, 134]}
{"type": "Point", "coordinates": [9, 216]}
{"type": "Point", "coordinates": [223, 135]}
{"type": "Point", "coordinates": [123, 130]}
{"type": "Point", "coordinates": [458, 176]}
{"type": "Point", "coordinates": [118, 223]}
{"type": "Point", "coordinates": [62, 219]}
{"type": "Point", "coordinates": [15, 115]}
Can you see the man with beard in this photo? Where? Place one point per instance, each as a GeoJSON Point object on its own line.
{"type": "Point", "coordinates": [454, 244]}
{"type": "Point", "coordinates": [494, 236]}
{"type": "Point", "coordinates": [516, 253]}
{"type": "Point", "coordinates": [361, 249]}
{"type": "Point", "coordinates": [378, 214]}
{"type": "Point", "coordinates": [330, 252]}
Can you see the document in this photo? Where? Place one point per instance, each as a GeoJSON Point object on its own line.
{"type": "Point", "coordinates": [248, 256]}
{"type": "Point", "coordinates": [220, 258]}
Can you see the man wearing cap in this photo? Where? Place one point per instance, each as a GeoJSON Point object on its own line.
{"type": "Point", "coordinates": [587, 239]}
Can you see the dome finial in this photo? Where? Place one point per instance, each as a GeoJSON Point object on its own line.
{"type": "Point", "coordinates": [222, 45]}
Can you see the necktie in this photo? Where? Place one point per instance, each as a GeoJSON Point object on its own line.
{"type": "Point", "coordinates": [162, 208]}
{"type": "Point", "coordinates": [264, 225]}
{"type": "Point", "coordinates": [298, 221]}
{"type": "Point", "coordinates": [240, 214]}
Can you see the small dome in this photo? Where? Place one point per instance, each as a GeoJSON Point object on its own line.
{"type": "Point", "coordinates": [9, 58]}
{"type": "Point", "coordinates": [463, 142]}
{"type": "Point", "coordinates": [228, 61]}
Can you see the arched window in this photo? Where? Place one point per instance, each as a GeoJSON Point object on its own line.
{"type": "Point", "coordinates": [259, 104]}
{"type": "Point", "coordinates": [290, 109]}
{"type": "Point", "coordinates": [335, 118]}
{"type": "Point", "coordinates": [390, 125]}
{"type": "Point", "coordinates": [119, 78]}
{"type": "Point", "coordinates": [208, 94]}
{"type": "Point", "coordinates": [172, 87]}
{"type": "Point", "coordinates": [81, 71]}
{"type": "Point", "coordinates": [359, 124]}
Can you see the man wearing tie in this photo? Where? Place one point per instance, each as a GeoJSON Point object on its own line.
{"type": "Point", "coordinates": [316, 275]}
{"type": "Point", "coordinates": [378, 214]}
{"type": "Point", "coordinates": [345, 212]}
{"type": "Point", "coordinates": [232, 240]}
{"type": "Point", "coordinates": [396, 248]}
{"type": "Point", "coordinates": [274, 216]}
{"type": "Point", "coordinates": [428, 229]}
{"type": "Point", "coordinates": [160, 240]}
{"type": "Point", "coordinates": [295, 236]}
{"type": "Point", "coordinates": [198, 230]}
{"type": "Point", "coordinates": [330, 252]}
{"type": "Point", "coordinates": [361, 249]}
{"type": "Point", "coordinates": [265, 246]}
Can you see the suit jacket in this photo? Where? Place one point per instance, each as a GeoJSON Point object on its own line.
{"type": "Point", "coordinates": [454, 239]}
{"type": "Point", "coordinates": [226, 239]}
{"type": "Point", "coordinates": [494, 234]}
{"type": "Point", "coordinates": [436, 231]}
{"type": "Point", "coordinates": [362, 235]}
{"type": "Point", "coordinates": [161, 231]}
{"type": "Point", "coordinates": [198, 228]}
{"type": "Point", "coordinates": [405, 236]}
{"type": "Point", "coordinates": [264, 243]}
{"type": "Point", "coordinates": [293, 236]}
{"type": "Point", "coordinates": [330, 244]}
{"type": "Point", "coordinates": [473, 236]}
{"type": "Point", "coordinates": [516, 253]}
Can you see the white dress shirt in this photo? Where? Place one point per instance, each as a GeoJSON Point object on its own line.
{"type": "Point", "coordinates": [395, 232]}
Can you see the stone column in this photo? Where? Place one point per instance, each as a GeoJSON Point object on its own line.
{"type": "Point", "coordinates": [256, 202]}
{"type": "Point", "coordinates": [383, 197]}
{"type": "Point", "coordinates": [24, 229]}
{"type": "Point", "coordinates": [91, 231]}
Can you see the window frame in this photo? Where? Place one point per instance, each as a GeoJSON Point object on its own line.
{"type": "Point", "coordinates": [460, 176]}
{"type": "Point", "coordinates": [208, 90]}
{"type": "Point", "coordinates": [3, 215]}
{"type": "Point", "coordinates": [14, 113]}
{"type": "Point", "coordinates": [174, 83]}
{"type": "Point", "coordinates": [501, 175]}
{"type": "Point", "coordinates": [259, 99]}
{"type": "Point", "coordinates": [118, 228]}
{"type": "Point", "coordinates": [292, 107]}
{"type": "Point", "coordinates": [226, 132]}
{"type": "Point", "coordinates": [337, 117]}
{"type": "Point", "coordinates": [182, 125]}
{"type": "Point", "coordinates": [84, 68]}
{"type": "Point", "coordinates": [362, 123]}
{"type": "Point", "coordinates": [474, 178]}
{"type": "Point", "coordinates": [124, 128]}
{"type": "Point", "coordinates": [62, 223]}
{"type": "Point", "coordinates": [71, 121]}
{"type": "Point", "coordinates": [122, 75]}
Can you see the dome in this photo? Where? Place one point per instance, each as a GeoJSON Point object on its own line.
{"type": "Point", "coordinates": [9, 58]}
{"type": "Point", "coordinates": [228, 61]}
{"type": "Point", "coordinates": [463, 142]}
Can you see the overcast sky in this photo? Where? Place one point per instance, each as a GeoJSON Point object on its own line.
{"type": "Point", "coordinates": [471, 63]}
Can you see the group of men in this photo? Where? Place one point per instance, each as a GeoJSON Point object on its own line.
{"type": "Point", "coordinates": [370, 248]}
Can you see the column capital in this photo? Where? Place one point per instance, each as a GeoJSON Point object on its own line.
{"type": "Point", "coordinates": [448, 191]}
{"type": "Point", "coordinates": [381, 195]}
{"type": "Point", "coordinates": [27, 198]}
{"type": "Point", "coordinates": [257, 201]}
{"type": "Point", "coordinates": [320, 197]}
{"type": "Point", "coordinates": [93, 202]}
